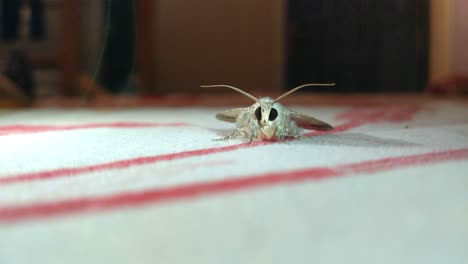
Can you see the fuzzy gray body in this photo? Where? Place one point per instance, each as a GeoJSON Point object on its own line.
{"type": "Point", "coordinates": [269, 120]}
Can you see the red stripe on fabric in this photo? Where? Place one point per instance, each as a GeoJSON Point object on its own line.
{"type": "Point", "coordinates": [121, 164]}
{"type": "Point", "coordinates": [68, 172]}
{"type": "Point", "coordinates": [196, 190]}
{"type": "Point", "coordinates": [22, 129]}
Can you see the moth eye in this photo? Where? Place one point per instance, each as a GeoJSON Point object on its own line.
{"type": "Point", "coordinates": [273, 114]}
{"type": "Point", "coordinates": [258, 113]}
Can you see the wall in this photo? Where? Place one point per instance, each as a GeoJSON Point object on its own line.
{"type": "Point", "coordinates": [460, 37]}
{"type": "Point", "coordinates": [449, 38]}
{"type": "Point", "coordinates": [237, 42]}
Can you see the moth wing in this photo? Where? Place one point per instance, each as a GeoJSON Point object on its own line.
{"type": "Point", "coordinates": [230, 115]}
{"type": "Point", "coordinates": [309, 122]}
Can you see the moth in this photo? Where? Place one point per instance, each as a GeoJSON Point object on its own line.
{"type": "Point", "coordinates": [267, 119]}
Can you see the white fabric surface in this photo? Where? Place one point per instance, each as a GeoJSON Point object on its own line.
{"type": "Point", "coordinates": [84, 191]}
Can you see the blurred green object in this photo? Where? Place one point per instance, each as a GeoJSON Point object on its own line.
{"type": "Point", "coordinates": [118, 57]}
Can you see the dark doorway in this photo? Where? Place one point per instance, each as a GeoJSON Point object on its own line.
{"type": "Point", "coordinates": [362, 45]}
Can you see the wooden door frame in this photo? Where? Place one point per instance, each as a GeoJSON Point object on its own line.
{"type": "Point", "coordinates": [146, 46]}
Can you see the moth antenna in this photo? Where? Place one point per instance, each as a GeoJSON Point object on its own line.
{"type": "Point", "coordinates": [235, 89]}
{"type": "Point", "coordinates": [302, 86]}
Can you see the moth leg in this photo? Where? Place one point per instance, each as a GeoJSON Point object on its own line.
{"type": "Point", "coordinates": [282, 133]}
{"type": "Point", "coordinates": [300, 137]}
{"type": "Point", "coordinates": [253, 132]}
{"type": "Point", "coordinates": [295, 132]}
{"type": "Point", "coordinates": [251, 138]}
{"type": "Point", "coordinates": [233, 134]}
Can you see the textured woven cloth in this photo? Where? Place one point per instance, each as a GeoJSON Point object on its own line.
{"type": "Point", "coordinates": [387, 185]}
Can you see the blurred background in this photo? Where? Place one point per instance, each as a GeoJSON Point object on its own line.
{"type": "Point", "coordinates": [89, 48]}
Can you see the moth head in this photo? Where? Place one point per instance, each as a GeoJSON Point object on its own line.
{"type": "Point", "coordinates": [267, 112]}
{"type": "Point", "coordinates": [269, 116]}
